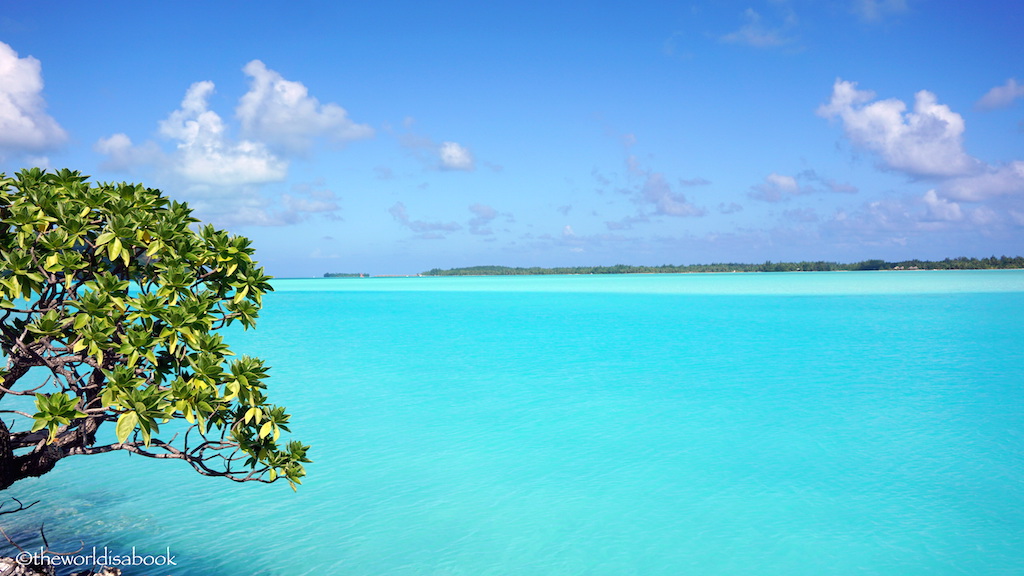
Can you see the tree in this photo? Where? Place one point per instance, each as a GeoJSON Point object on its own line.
{"type": "Point", "coordinates": [108, 291]}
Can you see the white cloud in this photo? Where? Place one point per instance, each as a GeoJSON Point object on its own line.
{"type": "Point", "coordinates": [123, 155]}
{"type": "Point", "coordinates": [780, 187]}
{"type": "Point", "coordinates": [1001, 96]}
{"type": "Point", "coordinates": [940, 208]}
{"type": "Point", "coordinates": [444, 156]}
{"type": "Point", "coordinates": [39, 162]}
{"type": "Point", "coordinates": [775, 188]}
{"type": "Point", "coordinates": [657, 192]}
{"type": "Point", "coordinates": [24, 123]}
{"type": "Point", "coordinates": [1004, 180]}
{"type": "Point", "coordinates": [984, 216]}
{"type": "Point", "coordinates": [455, 157]}
{"type": "Point", "coordinates": [281, 113]}
{"type": "Point", "coordinates": [925, 142]}
{"type": "Point", "coordinates": [426, 230]}
{"type": "Point", "coordinates": [206, 155]}
{"type": "Point", "coordinates": [298, 204]}
{"type": "Point", "coordinates": [220, 176]}
{"type": "Point", "coordinates": [484, 214]}
{"type": "Point", "coordinates": [885, 222]}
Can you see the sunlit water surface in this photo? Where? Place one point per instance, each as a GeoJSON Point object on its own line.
{"type": "Point", "coordinates": [818, 423]}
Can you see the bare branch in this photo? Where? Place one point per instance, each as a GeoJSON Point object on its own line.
{"type": "Point", "coordinates": [21, 506]}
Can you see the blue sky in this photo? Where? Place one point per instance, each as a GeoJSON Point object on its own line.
{"type": "Point", "coordinates": [401, 136]}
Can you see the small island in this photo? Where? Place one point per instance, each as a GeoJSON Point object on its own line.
{"type": "Point", "coordinates": [346, 275]}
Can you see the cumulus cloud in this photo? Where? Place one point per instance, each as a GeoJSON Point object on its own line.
{"type": "Point", "coordinates": [225, 178]}
{"type": "Point", "coordinates": [940, 208]}
{"type": "Point", "coordinates": [455, 157]}
{"type": "Point", "coordinates": [926, 142]}
{"type": "Point", "coordinates": [1007, 179]}
{"type": "Point", "coordinates": [123, 155]}
{"type": "Point", "coordinates": [282, 113]}
{"type": "Point", "coordinates": [444, 156]}
{"type": "Point", "coordinates": [776, 188]}
{"type": "Point", "coordinates": [428, 230]}
{"type": "Point", "coordinates": [755, 33]}
{"type": "Point", "coordinates": [205, 153]}
{"type": "Point", "coordinates": [657, 192]}
{"type": "Point", "coordinates": [1001, 96]}
{"type": "Point", "coordinates": [24, 124]}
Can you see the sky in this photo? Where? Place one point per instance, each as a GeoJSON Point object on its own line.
{"type": "Point", "coordinates": [395, 137]}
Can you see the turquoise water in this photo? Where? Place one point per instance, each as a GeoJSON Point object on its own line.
{"type": "Point", "coordinates": [820, 423]}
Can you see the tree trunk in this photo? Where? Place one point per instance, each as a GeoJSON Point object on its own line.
{"type": "Point", "coordinates": [6, 457]}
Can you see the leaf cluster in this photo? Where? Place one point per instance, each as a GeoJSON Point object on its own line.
{"type": "Point", "coordinates": [118, 293]}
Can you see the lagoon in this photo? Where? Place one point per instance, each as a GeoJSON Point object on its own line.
{"type": "Point", "coordinates": [779, 423]}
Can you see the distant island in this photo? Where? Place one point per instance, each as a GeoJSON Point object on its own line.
{"type": "Point", "coordinates": [962, 263]}
{"type": "Point", "coordinates": [346, 275]}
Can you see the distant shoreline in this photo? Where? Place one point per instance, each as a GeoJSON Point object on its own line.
{"type": "Point", "coordinates": [961, 263]}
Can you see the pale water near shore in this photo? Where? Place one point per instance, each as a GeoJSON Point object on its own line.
{"type": "Point", "coordinates": [817, 423]}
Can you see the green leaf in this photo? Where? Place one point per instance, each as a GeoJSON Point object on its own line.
{"type": "Point", "coordinates": [126, 423]}
{"type": "Point", "coordinates": [267, 427]}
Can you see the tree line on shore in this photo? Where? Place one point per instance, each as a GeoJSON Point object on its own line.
{"type": "Point", "coordinates": [962, 263]}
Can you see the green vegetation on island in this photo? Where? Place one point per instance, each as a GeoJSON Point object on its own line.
{"type": "Point", "coordinates": [961, 263]}
{"type": "Point", "coordinates": [110, 303]}
{"type": "Point", "coordinates": [346, 275]}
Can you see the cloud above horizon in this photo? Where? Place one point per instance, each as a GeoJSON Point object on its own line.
{"type": "Point", "coordinates": [1001, 96]}
{"type": "Point", "coordinates": [483, 216]}
{"type": "Point", "coordinates": [780, 188]}
{"type": "Point", "coordinates": [657, 193]}
{"type": "Point", "coordinates": [281, 113]}
{"type": "Point", "coordinates": [224, 177]}
{"type": "Point", "coordinates": [446, 156]}
{"type": "Point", "coordinates": [927, 142]}
{"type": "Point", "coordinates": [454, 156]}
{"type": "Point", "coordinates": [425, 230]}
{"type": "Point", "coordinates": [206, 155]}
{"type": "Point", "coordinates": [24, 124]}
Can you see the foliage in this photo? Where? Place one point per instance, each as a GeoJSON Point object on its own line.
{"type": "Point", "coordinates": [108, 290]}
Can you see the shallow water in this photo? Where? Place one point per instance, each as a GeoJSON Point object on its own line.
{"type": "Point", "coordinates": [818, 423]}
